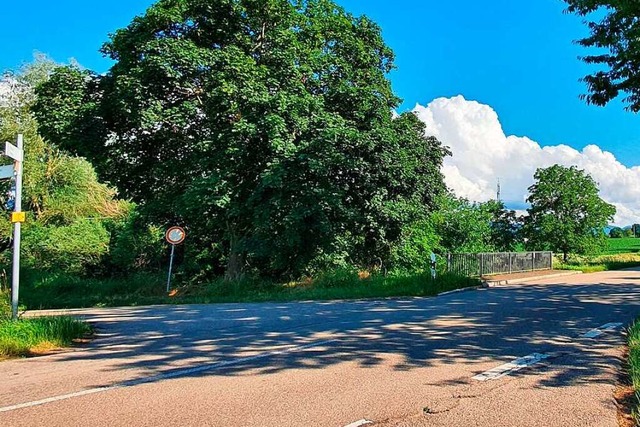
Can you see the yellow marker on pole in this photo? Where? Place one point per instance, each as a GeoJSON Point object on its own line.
{"type": "Point", "coordinates": [18, 217]}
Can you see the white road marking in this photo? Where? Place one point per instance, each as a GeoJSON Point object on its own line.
{"type": "Point", "coordinates": [165, 376]}
{"type": "Point", "coordinates": [601, 330]}
{"type": "Point", "coordinates": [507, 368]}
{"type": "Point", "coordinates": [359, 423]}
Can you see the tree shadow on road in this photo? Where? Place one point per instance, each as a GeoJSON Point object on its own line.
{"type": "Point", "coordinates": [470, 328]}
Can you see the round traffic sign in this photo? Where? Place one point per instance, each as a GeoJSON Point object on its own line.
{"type": "Point", "coordinates": [175, 235]}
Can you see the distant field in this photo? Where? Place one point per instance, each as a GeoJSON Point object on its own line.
{"type": "Point", "coordinates": [624, 245]}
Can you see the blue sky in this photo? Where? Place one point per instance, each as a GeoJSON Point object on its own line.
{"type": "Point", "coordinates": [516, 56]}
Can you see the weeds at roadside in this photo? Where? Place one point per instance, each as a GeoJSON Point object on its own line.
{"type": "Point", "coordinates": [144, 289]}
{"type": "Point", "coordinates": [592, 264]}
{"type": "Point", "coordinates": [633, 341]}
{"type": "Point", "coordinates": [29, 336]}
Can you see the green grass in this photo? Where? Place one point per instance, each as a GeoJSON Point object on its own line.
{"type": "Point", "coordinates": [69, 292]}
{"type": "Point", "coordinates": [54, 290]}
{"type": "Point", "coordinates": [592, 264]}
{"type": "Point", "coordinates": [633, 338]}
{"type": "Point", "coordinates": [27, 336]}
{"type": "Point", "coordinates": [624, 245]}
{"type": "Point", "coordinates": [39, 334]}
{"type": "Point", "coordinates": [619, 253]}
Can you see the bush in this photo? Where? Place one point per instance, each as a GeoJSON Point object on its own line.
{"type": "Point", "coordinates": [416, 244]}
{"type": "Point", "coordinates": [135, 245]}
{"type": "Point", "coordinates": [74, 248]}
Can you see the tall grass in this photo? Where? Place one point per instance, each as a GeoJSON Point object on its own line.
{"type": "Point", "coordinates": [633, 338]}
{"type": "Point", "coordinates": [59, 290]}
{"type": "Point", "coordinates": [62, 291]}
{"type": "Point", "coordinates": [590, 264]}
{"type": "Point", "coordinates": [33, 335]}
{"type": "Point", "coordinates": [339, 284]}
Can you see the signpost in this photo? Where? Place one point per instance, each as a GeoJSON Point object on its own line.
{"type": "Point", "coordinates": [433, 266]}
{"type": "Point", "coordinates": [6, 172]}
{"type": "Point", "coordinates": [174, 236]}
{"type": "Point", "coordinates": [16, 152]}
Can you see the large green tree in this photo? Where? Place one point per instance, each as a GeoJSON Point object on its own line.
{"type": "Point", "coordinates": [567, 214]}
{"type": "Point", "coordinates": [265, 126]}
{"type": "Point", "coordinates": [614, 31]}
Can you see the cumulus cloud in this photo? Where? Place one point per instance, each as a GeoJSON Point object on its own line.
{"type": "Point", "coordinates": [483, 153]}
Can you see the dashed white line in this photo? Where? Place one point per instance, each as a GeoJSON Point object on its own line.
{"type": "Point", "coordinates": [601, 330]}
{"type": "Point", "coordinates": [534, 358]}
{"type": "Point", "coordinates": [359, 423]}
{"type": "Point", "coordinates": [507, 368]}
{"type": "Point", "coordinates": [165, 376]}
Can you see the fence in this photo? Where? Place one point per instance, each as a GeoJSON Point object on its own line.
{"type": "Point", "coordinates": [476, 265]}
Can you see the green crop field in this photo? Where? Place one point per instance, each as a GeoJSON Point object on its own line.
{"type": "Point", "coordinates": [623, 245]}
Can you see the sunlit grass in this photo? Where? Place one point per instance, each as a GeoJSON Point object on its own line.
{"type": "Point", "coordinates": [37, 335]}
{"type": "Point", "coordinates": [634, 365]}
{"type": "Point", "coordinates": [623, 245]}
{"type": "Point", "coordinates": [591, 264]}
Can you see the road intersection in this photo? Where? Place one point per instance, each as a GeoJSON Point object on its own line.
{"type": "Point", "coordinates": [541, 353]}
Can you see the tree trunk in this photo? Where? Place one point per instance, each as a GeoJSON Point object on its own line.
{"type": "Point", "coordinates": [235, 263]}
{"type": "Point", "coordinates": [565, 256]}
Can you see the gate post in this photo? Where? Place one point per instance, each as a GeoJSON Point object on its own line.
{"type": "Point", "coordinates": [533, 261]}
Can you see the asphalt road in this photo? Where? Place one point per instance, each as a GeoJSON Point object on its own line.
{"type": "Point", "coordinates": [403, 362]}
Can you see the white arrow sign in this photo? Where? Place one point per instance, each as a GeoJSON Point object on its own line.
{"type": "Point", "coordinates": [6, 171]}
{"type": "Point", "coordinates": [14, 152]}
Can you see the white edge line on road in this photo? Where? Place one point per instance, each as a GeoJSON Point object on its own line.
{"type": "Point", "coordinates": [359, 423]}
{"type": "Point", "coordinates": [601, 330]}
{"type": "Point", "coordinates": [164, 376]}
{"type": "Point", "coordinates": [507, 368]}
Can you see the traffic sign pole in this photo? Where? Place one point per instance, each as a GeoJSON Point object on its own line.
{"type": "Point", "coordinates": [173, 249]}
{"type": "Point", "coordinates": [15, 274]}
{"type": "Point", "coordinates": [174, 236]}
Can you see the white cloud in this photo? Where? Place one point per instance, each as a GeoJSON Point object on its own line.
{"type": "Point", "coordinates": [482, 154]}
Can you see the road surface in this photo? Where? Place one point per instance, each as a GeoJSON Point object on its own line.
{"type": "Point", "coordinates": [543, 353]}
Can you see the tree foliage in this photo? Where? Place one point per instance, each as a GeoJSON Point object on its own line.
{"type": "Point", "coordinates": [567, 214]}
{"type": "Point", "coordinates": [616, 233]}
{"type": "Point", "coordinates": [66, 202]}
{"type": "Point", "coordinates": [264, 126]}
{"type": "Point", "coordinates": [467, 227]}
{"type": "Point", "coordinates": [615, 31]}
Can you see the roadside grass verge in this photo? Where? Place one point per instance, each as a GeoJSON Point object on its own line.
{"type": "Point", "coordinates": [144, 289]}
{"type": "Point", "coordinates": [336, 285]}
{"type": "Point", "coordinates": [633, 339]}
{"type": "Point", "coordinates": [592, 264]}
{"type": "Point", "coordinates": [37, 335]}
{"type": "Point", "coordinates": [59, 290]}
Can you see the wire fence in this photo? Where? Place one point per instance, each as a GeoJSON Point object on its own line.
{"type": "Point", "coordinates": [484, 264]}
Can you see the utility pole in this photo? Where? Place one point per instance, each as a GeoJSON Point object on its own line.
{"type": "Point", "coordinates": [498, 193]}
{"type": "Point", "coordinates": [16, 152]}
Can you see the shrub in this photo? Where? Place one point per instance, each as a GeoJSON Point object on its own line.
{"type": "Point", "coordinates": [73, 248]}
{"type": "Point", "coordinates": [135, 245]}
